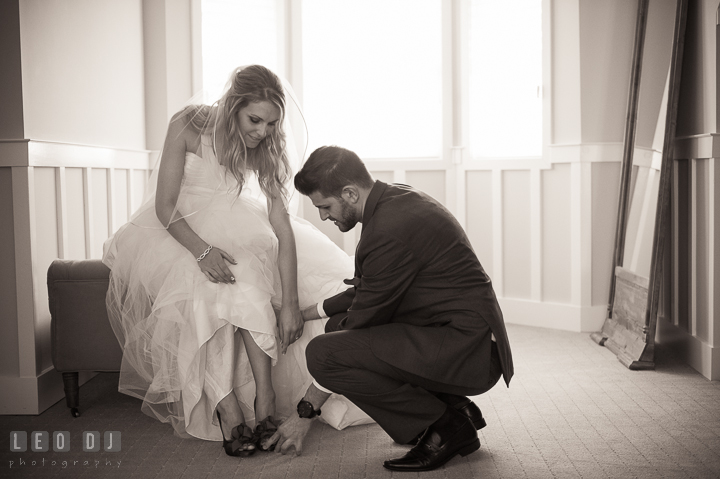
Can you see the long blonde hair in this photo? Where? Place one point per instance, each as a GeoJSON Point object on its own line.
{"type": "Point", "coordinates": [269, 159]}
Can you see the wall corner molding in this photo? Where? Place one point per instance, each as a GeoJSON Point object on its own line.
{"type": "Point", "coordinates": [701, 356]}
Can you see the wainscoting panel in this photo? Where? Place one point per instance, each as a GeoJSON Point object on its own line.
{"type": "Point", "coordinates": [384, 176]}
{"type": "Point", "coordinates": [479, 217]}
{"type": "Point", "coordinates": [137, 191]}
{"type": "Point", "coordinates": [431, 182]}
{"type": "Point", "coordinates": [605, 190]}
{"type": "Point", "coordinates": [516, 234]}
{"type": "Point", "coordinates": [99, 224]}
{"type": "Point", "coordinates": [75, 223]}
{"type": "Point", "coordinates": [556, 263]}
{"type": "Point", "coordinates": [51, 241]}
{"type": "Point", "coordinates": [702, 264]}
{"type": "Point", "coordinates": [120, 197]}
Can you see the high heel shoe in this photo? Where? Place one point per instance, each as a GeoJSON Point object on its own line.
{"type": "Point", "coordinates": [241, 436]}
{"type": "Point", "coordinates": [264, 430]}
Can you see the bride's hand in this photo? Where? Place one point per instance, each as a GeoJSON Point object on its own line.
{"type": "Point", "coordinates": [215, 268]}
{"type": "Point", "coordinates": [290, 326]}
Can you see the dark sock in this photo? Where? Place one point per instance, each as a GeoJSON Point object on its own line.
{"type": "Point", "coordinates": [450, 420]}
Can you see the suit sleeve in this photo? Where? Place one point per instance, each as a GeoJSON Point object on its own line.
{"type": "Point", "coordinates": [388, 270]}
{"type": "Point", "coordinates": [339, 303]}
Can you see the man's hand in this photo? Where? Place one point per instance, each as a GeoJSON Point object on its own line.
{"type": "Point", "coordinates": [290, 434]}
{"type": "Point", "coordinates": [290, 326]}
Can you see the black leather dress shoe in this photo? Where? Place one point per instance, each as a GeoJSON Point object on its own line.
{"type": "Point", "coordinates": [472, 411]}
{"type": "Point", "coordinates": [449, 436]}
{"type": "Point", "coordinates": [467, 408]}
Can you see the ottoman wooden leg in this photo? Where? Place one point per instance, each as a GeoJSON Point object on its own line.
{"type": "Point", "coordinates": [72, 392]}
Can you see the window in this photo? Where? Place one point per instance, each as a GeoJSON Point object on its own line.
{"type": "Point", "coordinates": [373, 70]}
{"type": "Point", "coordinates": [505, 78]}
{"type": "Point", "coordinates": [235, 33]}
{"type": "Point", "coordinates": [372, 76]}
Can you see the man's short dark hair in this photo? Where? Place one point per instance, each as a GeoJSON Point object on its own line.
{"type": "Point", "coordinates": [329, 169]}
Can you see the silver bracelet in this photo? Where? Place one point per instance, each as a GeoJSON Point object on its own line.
{"type": "Point", "coordinates": [205, 253]}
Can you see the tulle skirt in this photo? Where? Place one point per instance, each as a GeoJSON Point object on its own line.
{"type": "Point", "coordinates": [182, 349]}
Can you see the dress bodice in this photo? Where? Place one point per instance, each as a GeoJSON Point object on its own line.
{"type": "Point", "coordinates": [198, 172]}
{"type": "Point", "coordinates": [204, 175]}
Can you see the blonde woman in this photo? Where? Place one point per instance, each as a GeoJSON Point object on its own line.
{"type": "Point", "coordinates": [205, 294]}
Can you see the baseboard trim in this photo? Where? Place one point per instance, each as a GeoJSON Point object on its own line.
{"type": "Point", "coordinates": [564, 317]}
{"type": "Point", "coordinates": [701, 356]}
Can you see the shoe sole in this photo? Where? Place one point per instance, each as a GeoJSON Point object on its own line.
{"type": "Point", "coordinates": [469, 449]}
{"type": "Point", "coordinates": [465, 450]}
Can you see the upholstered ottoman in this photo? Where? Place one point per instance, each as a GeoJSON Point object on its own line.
{"type": "Point", "coordinates": [81, 336]}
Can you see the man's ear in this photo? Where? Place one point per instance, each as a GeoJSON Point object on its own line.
{"type": "Point", "coordinates": [351, 194]}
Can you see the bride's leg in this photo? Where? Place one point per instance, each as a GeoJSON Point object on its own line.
{"type": "Point", "coordinates": [230, 413]}
{"type": "Point", "coordinates": [220, 351]}
{"type": "Point", "coordinates": [261, 365]}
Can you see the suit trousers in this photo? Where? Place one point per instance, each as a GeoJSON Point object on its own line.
{"type": "Point", "coordinates": [402, 403]}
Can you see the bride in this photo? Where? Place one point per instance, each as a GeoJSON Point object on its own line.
{"type": "Point", "coordinates": [209, 276]}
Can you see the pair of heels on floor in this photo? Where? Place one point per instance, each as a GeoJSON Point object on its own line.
{"type": "Point", "coordinates": [242, 437]}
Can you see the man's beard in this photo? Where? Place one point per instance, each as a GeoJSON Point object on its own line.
{"type": "Point", "coordinates": [349, 217]}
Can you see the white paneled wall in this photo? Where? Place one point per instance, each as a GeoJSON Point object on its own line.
{"type": "Point", "coordinates": [555, 211]}
{"type": "Point", "coordinates": [66, 201]}
{"type": "Point", "coordinates": [77, 209]}
{"type": "Point", "coordinates": [688, 315]}
{"type": "Point", "coordinates": [479, 211]}
{"type": "Point", "coordinates": [516, 234]}
{"type": "Point", "coordinates": [72, 219]}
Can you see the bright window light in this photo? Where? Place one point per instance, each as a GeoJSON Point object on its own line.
{"type": "Point", "coordinates": [506, 78]}
{"type": "Point", "coordinates": [235, 33]}
{"type": "Point", "coordinates": [372, 76]}
{"type": "Point", "coordinates": [372, 71]}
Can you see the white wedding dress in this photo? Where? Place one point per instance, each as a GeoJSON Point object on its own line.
{"type": "Point", "coordinates": [179, 331]}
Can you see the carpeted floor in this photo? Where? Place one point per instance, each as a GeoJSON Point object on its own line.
{"type": "Point", "coordinates": [572, 411]}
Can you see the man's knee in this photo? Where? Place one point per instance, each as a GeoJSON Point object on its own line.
{"type": "Point", "coordinates": [317, 354]}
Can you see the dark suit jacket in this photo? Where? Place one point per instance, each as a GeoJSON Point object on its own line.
{"type": "Point", "coordinates": [419, 282]}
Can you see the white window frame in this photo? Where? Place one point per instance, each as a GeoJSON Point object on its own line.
{"type": "Point", "coordinates": [456, 159]}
